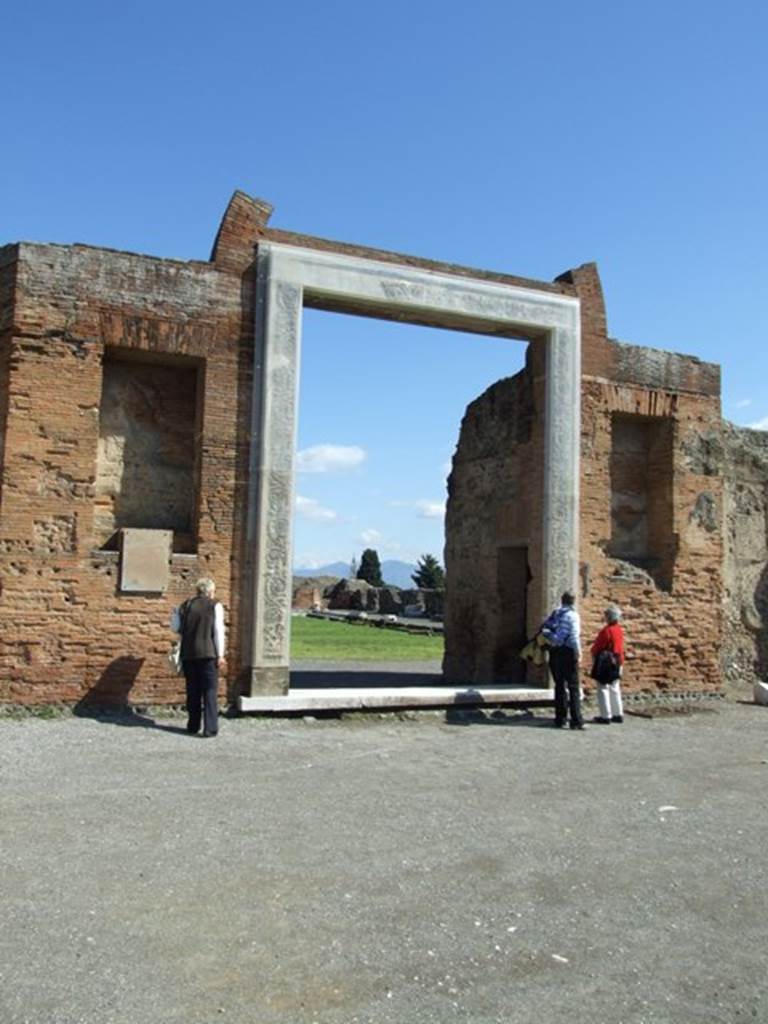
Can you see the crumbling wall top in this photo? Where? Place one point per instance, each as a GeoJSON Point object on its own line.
{"type": "Point", "coordinates": [8, 258]}
{"type": "Point", "coordinates": [244, 217]}
{"type": "Point", "coordinates": [662, 370]}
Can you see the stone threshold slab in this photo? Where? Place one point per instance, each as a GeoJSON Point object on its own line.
{"type": "Point", "coordinates": [392, 697]}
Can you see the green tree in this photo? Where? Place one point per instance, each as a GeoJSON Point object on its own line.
{"type": "Point", "coordinates": [429, 574]}
{"type": "Point", "coordinates": [370, 568]}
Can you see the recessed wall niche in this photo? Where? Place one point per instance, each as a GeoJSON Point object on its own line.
{"type": "Point", "coordinates": [147, 468]}
{"type": "Point", "coordinates": [642, 494]}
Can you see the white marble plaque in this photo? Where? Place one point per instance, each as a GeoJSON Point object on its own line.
{"type": "Point", "coordinates": [145, 557]}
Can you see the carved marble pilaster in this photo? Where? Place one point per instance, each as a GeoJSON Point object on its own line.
{"type": "Point", "coordinates": [273, 445]}
{"type": "Point", "coordinates": [562, 418]}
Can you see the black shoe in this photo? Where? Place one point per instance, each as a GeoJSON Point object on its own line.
{"type": "Point", "coordinates": [580, 726]}
{"type": "Point", "coordinates": [618, 719]}
{"type": "Point", "coordinates": [602, 721]}
{"type": "Point", "coordinates": [209, 735]}
{"type": "Point", "coordinates": [558, 725]}
{"type": "Point", "coordinates": [193, 732]}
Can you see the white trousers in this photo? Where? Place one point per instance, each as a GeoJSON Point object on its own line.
{"type": "Point", "coordinates": [609, 699]}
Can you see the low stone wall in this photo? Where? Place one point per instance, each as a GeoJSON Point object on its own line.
{"type": "Point", "coordinates": [358, 595]}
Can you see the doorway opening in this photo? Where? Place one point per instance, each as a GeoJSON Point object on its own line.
{"type": "Point", "coordinates": [379, 413]}
{"type": "Point", "coordinates": [513, 577]}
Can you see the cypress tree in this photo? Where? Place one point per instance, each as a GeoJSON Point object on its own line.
{"type": "Point", "coordinates": [370, 568]}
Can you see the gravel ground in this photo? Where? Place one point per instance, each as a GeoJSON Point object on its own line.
{"type": "Point", "coordinates": [368, 871]}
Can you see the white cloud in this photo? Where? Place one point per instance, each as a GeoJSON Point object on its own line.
{"type": "Point", "coordinates": [446, 467]}
{"type": "Point", "coordinates": [303, 561]}
{"type": "Point", "coordinates": [425, 508]}
{"type": "Point", "coordinates": [743, 403]}
{"type": "Point", "coordinates": [370, 536]}
{"type": "Point", "coordinates": [394, 549]}
{"type": "Point", "coordinates": [329, 458]}
{"type": "Point", "coordinates": [310, 508]}
{"type": "Point", "coordinates": [760, 424]}
{"type": "Point", "coordinates": [391, 549]}
{"type": "Point", "coordinates": [430, 509]}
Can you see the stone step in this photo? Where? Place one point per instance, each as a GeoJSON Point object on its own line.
{"type": "Point", "coordinates": [393, 697]}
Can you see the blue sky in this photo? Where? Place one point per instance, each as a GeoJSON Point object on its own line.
{"type": "Point", "coordinates": [504, 135]}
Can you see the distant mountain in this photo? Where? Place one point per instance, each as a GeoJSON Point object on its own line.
{"type": "Point", "coordinates": [398, 574]}
{"type": "Point", "coordinates": [393, 572]}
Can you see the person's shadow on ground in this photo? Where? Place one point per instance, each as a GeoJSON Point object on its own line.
{"type": "Point", "coordinates": [108, 700]}
{"type": "Point", "coordinates": [483, 716]}
{"type": "Point", "coordinates": [123, 715]}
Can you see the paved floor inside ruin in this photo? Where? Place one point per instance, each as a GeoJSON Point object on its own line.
{"type": "Point", "coordinates": [451, 867]}
{"type": "Point", "coordinates": [306, 675]}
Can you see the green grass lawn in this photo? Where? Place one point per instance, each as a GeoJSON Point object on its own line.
{"type": "Point", "coordinates": [337, 641]}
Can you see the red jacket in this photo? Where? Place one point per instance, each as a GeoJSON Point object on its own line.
{"type": "Point", "coordinates": [610, 638]}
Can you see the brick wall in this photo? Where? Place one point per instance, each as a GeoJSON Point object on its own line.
{"type": "Point", "coordinates": [743, 455]}
{"type": "Point", "coordinates": [67, 633]}
{"type": "Point", "coordinates": [597, 355]}
{"type": "Point", "coordinates": [673, 623]}
{"type": "Point", "coordinates": [494, 491]}
{"type": "Point", "coordinates": [671, 590]}
{"type": "Point", "coordinates": [8, 257]}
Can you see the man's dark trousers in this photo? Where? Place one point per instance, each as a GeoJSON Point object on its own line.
{"type": "Point", "coordinates": [564, 666]}
{"type": "Point", "coordinates": [202, 676]}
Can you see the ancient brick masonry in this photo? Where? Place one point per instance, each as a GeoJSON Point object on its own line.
{"type": "Point", "coordinates": [67, 633]}
{"type": "Point", "coordinates": [742, 455]}
{"type": "Point", "coordinates": [125, 402]}
{"type": "Point", "coordinates": [651, 512]}
{"type": "Point", "coordinates": [99, 354]}
{"type": "Point", "coordinates": [673, 602]}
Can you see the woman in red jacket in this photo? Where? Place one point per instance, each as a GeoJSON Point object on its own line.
{"type": "Point", "coordinates": [610, 639]}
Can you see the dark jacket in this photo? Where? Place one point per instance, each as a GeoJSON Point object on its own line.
{"type": "Point", "coordinates": [197, 629]}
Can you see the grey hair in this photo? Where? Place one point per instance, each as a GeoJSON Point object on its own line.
{"type": "Point", "coordinates": [205, 585]}
{"type": "Point", "coordinates": [613, 613]}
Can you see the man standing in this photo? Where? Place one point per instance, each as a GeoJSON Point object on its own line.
{"type": "Point", "coordinates": [200, 622]}
{"type": "Point", "coordinates": [562, 629]}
